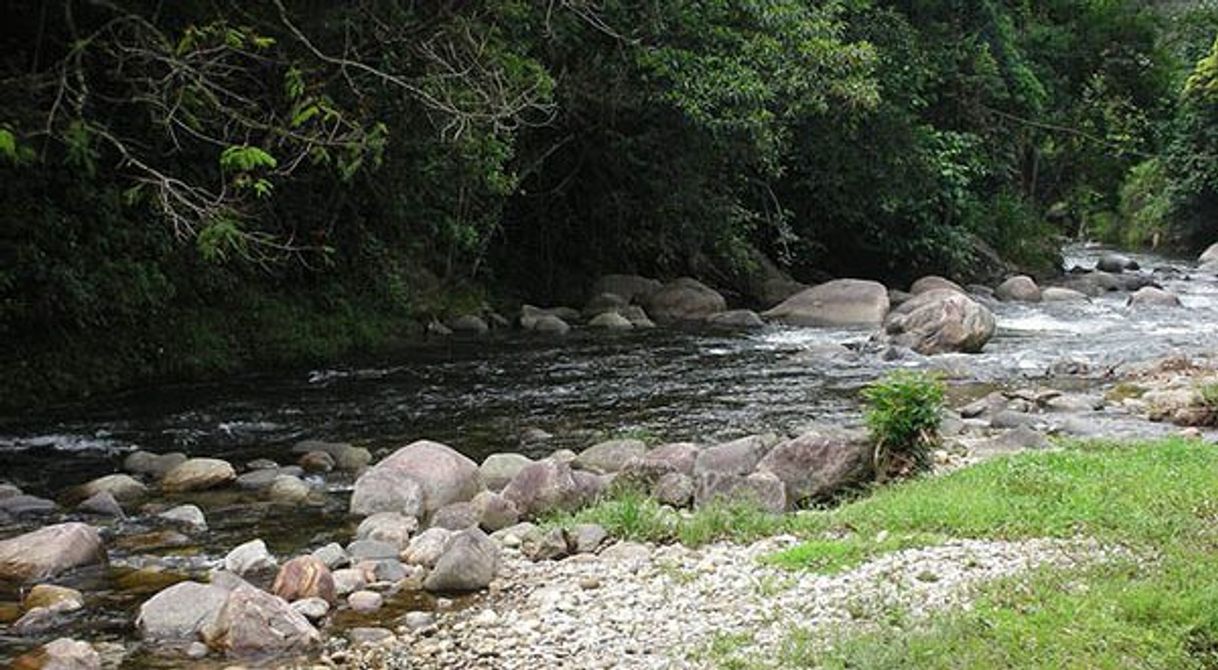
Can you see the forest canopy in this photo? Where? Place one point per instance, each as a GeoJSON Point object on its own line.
{"type": "Point", "coordinates": [182, 179]}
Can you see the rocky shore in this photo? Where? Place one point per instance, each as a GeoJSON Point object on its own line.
{"type": "Point", "coordinates": [455, 563]}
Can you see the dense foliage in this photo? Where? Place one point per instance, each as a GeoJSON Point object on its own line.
{"type": "Point", "coordinates": [195, 184]}
{"type": "Point", "coordinates": [903, 414]}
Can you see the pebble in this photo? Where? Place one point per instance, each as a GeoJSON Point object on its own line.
{"type": "Point", "coordinates": [364, 602]}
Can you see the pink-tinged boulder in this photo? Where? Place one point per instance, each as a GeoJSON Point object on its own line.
{"type": "Point", "coordinates": [304, 577]}
{"type": "Point", "coordinates": [61, 654]}
{"type": "Point", "coordinates": [178, 613]}
{"type": "Point", "coordinates": [50, 551]}
{"type": "Point", "coordinates": [469, 563]}
{"type": "Point", "coordinates": [544, 486]}
{"type": "Point", "coordinates": [442, 473]}
{"type": "Point", "coordinates": [815, 466]}
{"type": "Point", "coordinates": [256, 624]}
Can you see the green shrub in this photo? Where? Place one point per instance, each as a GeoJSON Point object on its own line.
{"type": "Point", "coordinates": [903, 412]}
{"type": "Point", "coordinates": [1145, 207]}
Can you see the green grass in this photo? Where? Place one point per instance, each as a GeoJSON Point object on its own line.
{"type": "Point", "coordinates": [1159, 499]}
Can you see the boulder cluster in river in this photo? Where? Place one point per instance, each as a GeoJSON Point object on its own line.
{"type": "Point", "coordinates": [431, 520]}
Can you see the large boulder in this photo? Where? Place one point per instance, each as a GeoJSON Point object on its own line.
{"type": "Point", "coordinates": [390, 527]}
{"type": "Point", "coordinates": [814, 466]}
{"type": "Point", "coordinates": [941, 321]}
{"type": "Point", "coordinates": [253, 623]}
{"type": "Point", "coordinates": [494, 511]}
{"type": "Point", "coordinates": [645, 471]}
{"type": "Point", "coordinates": [499, 469]}
{"type": "Point", "coordinates": [741, 319]}
{"type": "Point", "coordinates": [1059, 294]}
{"type": "Point", "coordinates": [1020, 288]}
{"type": "Point", "coordinates": [630, 287]}
{"type": "Point", "coordinates": [838, 303]}
{"type": "Point", "coordinates": [738, 457]}
{"type": "Point", "coordinates": [443, 474]}
{"type": "Point", "coordinates": [427, 547]}
{"type": "Point", "coordinates": [762, 489]}
{"type": "Point", "coordinates": [180, 612]}
{"type": "Point", "coordinates": [604, 302]}
{"type": "Point", "coordinates": [1210, 255]}
{"type": "Point", "coordinates": [1113, 262]}
{"type": "Point", "coordinates": [1095, 284]}
{"type": "Point", "coordinates": [305, 577]}
{"type": "Point", "coordinates": [50, 551]}
{"type": "Point", "coordinates": [610, 456]}
{"type": "Point", "coordinates": [469, 563]}
{"type": "Point", "coordinates": [542, 487]}
{"type": "Point", "coordinates": [1153, 297]}
{"type": "Point", "coordinates": [197, 474]}
{"type": "Point", "coordinates": [610, 321]}
{"type": "Point", "coordinates": [934, 283]}
{"type": "Point", "coordinates": [684, 299]}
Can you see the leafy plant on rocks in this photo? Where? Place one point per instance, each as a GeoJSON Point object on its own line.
{"type": "Point", "coordinates": [903, 412]}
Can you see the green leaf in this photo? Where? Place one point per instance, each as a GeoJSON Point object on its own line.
{"type": "Point", "coordinates": [245, 158]}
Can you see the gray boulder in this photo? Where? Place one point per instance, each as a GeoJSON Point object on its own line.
{"type": "Point", "coordinates": [1115, 263]}
{"type": "Point", "coordinates": [738, 457]}
{"type": "Point", "coordinates": [457, 516]}
{"type": "Point", "coordinates": [249, 559]}
{"type": "Point", "coordinates": [386, 491]}
{"type": "Point", "coordinates": [586, 538]}
{"type": "Point", "coordinates": [102, 503]}
{"type": "Point", "coordinates": [1020, 288]}
{"type": "Point", "coordinates": [427, 548]}
{"type": "Point", "coordinates": [494, 511]}
{"type": "Point", "coordinates": [675, 489]}
{"type": "Point", "coordinates": [941, 321]}
{"type": "Point", "coordinates": [152, 465]}
{"type": "Point", "coordinates": [934, 283]}
{"type": "Point", "coordinates": [542, 487]}
{"type": "Point", "coordinates": [604, 302]}
{"type": "Point", "coordinates": [50, 551]}
{"type": "Point", "coordinates": [1059, 294]}
{"type": "Point", "coordinates": [632, 288]}
{"type": "Point", "coordinates": [499, 469]}
{"type": "Point", "coordinates": [197, 474]}
{"type": "Point", "coordinates": [444, 475]}
{"type": "Point", "coordinates": [60, 654]}
{"type": "Point", "coordinates": [469, 563]}
{"type": "Point", "coordinates": [762, 489]}
{"type": "Point", "coordinates": [739, 319]}
{"type": "Point", "coordinates": [180, 612]}
{"type": "Point", "coordinates": [814, 466]}
{"type": "Point", "coordinates": [683, 299]}
{"type": "Point", "coordinates": [610, 321]}
{"type": "Point", "coordinates": [189, 516]}
{"type": "Point", "coordinates": [469, 324]}
{"type": "Point", "coordinates": [391, 527]}
{"type": "Point", "coordinates": [609, 456]}
{"type": "Point", "coordinates": [124, 488]}
{"type": "Point", "coordinates": [550, 325]}
{"type": "Point", "coordinates": [838, 303]}
{"type": "Point", "coordinates": [1210, 255]}
{"type": "Point", "coordinates": [1153, 297]}
{"type": "Point", "coordinates": [253, 623]}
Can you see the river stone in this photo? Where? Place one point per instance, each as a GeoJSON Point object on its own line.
{"type": "Point", "coordinates": [763, 489]}
{"type": "Point", "coordinates": [550, 325]}
{"type": "Point", "coordinates": [312, 609]}
{"type": "Point", "coordinates": [602, 303]}
{"type": "Point", "coordinates": [50, 551]}
{"type": "Point", "coordinates": [838, 303]}
{"type": "Point", "coordinates": [684, 299]}
{"type": "Point", "coordinates": [542, 487]}
{"type": "Point", "coordinates": [934, 283]}
{"type": "Point", "coordinates": [741, 319]}
{"type": "Point", "coordinates": [548, 545]}
{"type": "Point", "coordinates": [249, 559]}
{"type": "Point", "coordinates": [261, 464]}
{"type": "Point", "coordinates": [8, 490]}
{"type": "Point", "coordinates": [456, 516]}
{"type": "Point", "coordinates": [365, 636]}
{"type": "Point", "coordinates": [352, 459]}
{"type": "Point", "coordinates": [123, 487]}
{"type": "Point", "coordinates": [332, 555]}
{"type": "Point", "coordinates": [1020, 288]}
{"type": "Point", "coordinates": [609, 456]}
{"type": "Point", "coordinates": [427, 547]}
{"type": "Point", "coordinates": [153, 465]}
{"type": "Point", "coordinates": [317, 461]}
{"type": "Point", "coordinates": [470, 324]}
{"type": "Point", "coordinates": [61, 654]}
{"type": "Point", "coordinates": [1150, 296]}
{"type": "Point", "coordinates": [390, 527]}
{"type": "Point", "coordinates": [55, 598]}
{"type": "Point", "coordinates": [198, 474]}
{"type": "Point", "coordinates": [1209, 268]}
{"type": "Point", "coordinates": [675, 489]}
{"type": "Point", "coordinates": [738, 457]}
{"type": "Point", "coordinates": [1210, 255]}
{"type": "Point", "coordinates": [518, 535]}
{"type": "Point", "coordinates": [417, 621]}
{"type": "Point", "coordinates": [304, 577]}
{"type": "Point", "coordinates": [348, 581]}
{"type": "Point", "coordinates": [1115, 263]}
{"type": "Point", "coordinates": [680, 455]}
{"type": "Point", "coordinates": [288, 489]}
{"type": "Point", "coordinates": [180, 612]}
{"type": "Point", "coordinates": [253, 623]}
{"type": "Point", "coordinates": [586, 538]}
{"type": "Point", "coordinates": [1059, 294]}
{"type": "Point", "coordinates": [1095, 283]}
{"type": "Point", "coordinates": [444, 475]}
{"type": "Point", "coordinates": [610, 321]}
{"type": "Point", "coordinates": [494, 511]}
{"type": "Point", "coordinates": [499, 469]}
{"type": "Point", "coordinates": [102, 503]}
{"type": "Point", "coordinates": [636, 316]}
{"type": "Point", "coordinates": [24, 504]}
{"type": "Point", "coordinates": [469, 563]}
{"type": "Point", "coordinates": [361, 550]}
{"type": "Point", "coordinates": [941, 321]}
{"type": "Point", "coordinates": [258, 480]}
{"type": "Point", "coordinates": [386, 491]}
{"type": "Point", "coordinates": [365, 602]}
{"type": "Point", "coordinates": [185, 515]}
{"type": "Point", "coordinates": [814, 466]}
{"type": "Point", "coordinates": [628, 287]}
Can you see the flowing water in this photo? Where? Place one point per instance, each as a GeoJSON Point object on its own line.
{"type": "Point", "coordinates": [481, 395]}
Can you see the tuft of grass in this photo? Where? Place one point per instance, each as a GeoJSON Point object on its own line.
{"type": "Point", "coordinates": [903, 414]}
{"type": "Point", "coordinates": [831, 555]}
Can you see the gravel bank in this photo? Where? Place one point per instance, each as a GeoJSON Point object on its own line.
{"type": "Point", "coordinates": [654, 607]}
